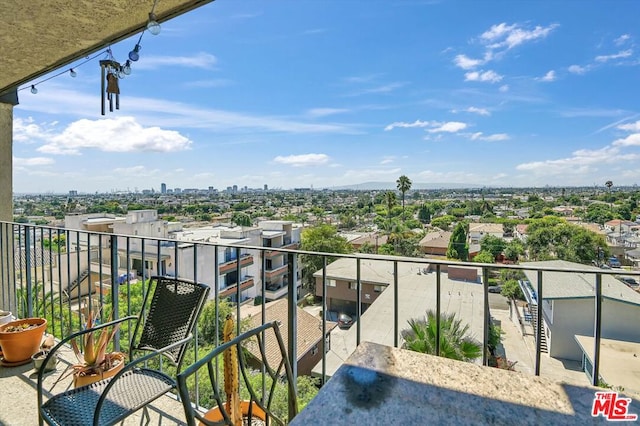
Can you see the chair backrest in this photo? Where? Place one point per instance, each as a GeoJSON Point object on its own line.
{"type": "Point", "coordinates": [260, 403]}
{"type": "Point", "coordinates": [170, 311]}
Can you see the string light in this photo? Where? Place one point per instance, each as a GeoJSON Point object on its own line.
{"type": "Point", "coordinates": [153, 26]}
{"type": "Point", "coordinates": [134, 55]}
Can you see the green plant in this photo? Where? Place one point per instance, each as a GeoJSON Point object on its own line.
{"type": "Point", "coordinates": [94, 356]}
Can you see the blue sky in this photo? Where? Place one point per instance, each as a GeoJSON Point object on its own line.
{"type": "Point", "coordinates": [329, 93]}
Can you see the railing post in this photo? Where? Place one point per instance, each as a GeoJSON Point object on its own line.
{"type": "Point", "coordinates": [115, 290]}
{"type": "Point", "coordinates": [538, 324]}
{"type": "Point", "coordinates": [26, 284]}
{"type": "Point", "coordinates": [324, 319]}
{"type": "Point", "coordinates": [396, 331]}
{"type": "Point", "coordinates": [238, 292]}
{"type": "Point", "coordinates": [358, 302]}
{"type": "Point", "coordinates": [438, 308]}
{"type": "Point", "coordinates": [597, 331]}
{"type": "Point", "coordinates": [292, 295]}
{"type": "Point", "coordinates": [486, 316]}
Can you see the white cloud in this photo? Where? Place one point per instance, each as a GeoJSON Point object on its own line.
{"type": "Point", "coordinates": [479, 111]}
{"type": "Point", "coordinates": [385, 88]}
{"type": "Point", "coordinates": [323, 112]}
{"type": "Point", "coordinates": [388, 160]}
{"type": "Point", "coordinates": [303, 160]}
{"type": "Point", "coordinates": [122, 134]}
{"type": "Point", "coordinates": [577, 69]}
{"type": "Point", "coordinates": [549, 76]}
{"type": "Point", "coordinates": [31, 162]}
{"type": "Point", "coordinates": [403, 124]}
{"type": "Point", "coordinates": [435, 126]}
{"type": "Point", "coordinates": [496, 137]}
{"type": "Point", "coordinates": [466, 63]}
{"type": "Point", "coordinates": [581, 162]}
{"type": "Point", "coordinates": [510, 36]}
{"type": "Point", "coordinates": [504, 88]}
{"type": "Point", "coordinates": [27, 131]}
{"type": "Point", "coordinates": [201, 60]}
{"type": "Point", "coordinates": [631, 140]}
{"type": "Point", "coordinates": [449, 127]}
{"type": "Point", "coordinates": [57, 101]}
{"type": "Point", "coordinates": [630, 127]}
{"type": "Point", "coordinates": [486, 76]}
{"type": "Point", "coordinates": [216, 82]}
{"type": "Point", "coordinates": [619, 55]}
{"type": "Point", "coordinates": [622, 39]}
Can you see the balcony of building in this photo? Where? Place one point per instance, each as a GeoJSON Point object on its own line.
{"type": "Point", "coordinates": [377, 381]}
{"type": "Point", "coordinates": [231, 264]}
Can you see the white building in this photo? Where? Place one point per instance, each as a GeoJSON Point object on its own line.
{"type": "Point", "coordinates": [568, 306]}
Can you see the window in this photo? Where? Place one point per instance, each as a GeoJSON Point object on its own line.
{"type": "Point", "coordinates": [353, 286]}
{"type": "Point", "coordinates": [378, 288]}
{"type": "Point", "coordinates": [314, 350]}
{"type": "Point", "coordinates": [331, 283]}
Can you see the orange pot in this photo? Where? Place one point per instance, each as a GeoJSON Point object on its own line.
{"type": "Point", "coordinates": [87, 379]}
{"type": "Point", "coordinates": [215, 415]}
{"type": "Point", "coordinates": [18, 346]}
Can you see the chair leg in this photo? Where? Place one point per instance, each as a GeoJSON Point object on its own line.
{"type": "Point", "coordinates": [145, 415]}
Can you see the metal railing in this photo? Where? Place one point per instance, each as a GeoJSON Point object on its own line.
{"type": "Point", "coordinates": [38, 264]}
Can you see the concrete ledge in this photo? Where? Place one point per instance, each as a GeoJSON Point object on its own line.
{"type": "Point", "coordinates": [384, 385]}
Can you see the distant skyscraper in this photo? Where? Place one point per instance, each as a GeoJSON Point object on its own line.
{"type": "Point", "coordinates": [163, 188]}
{"type": "Point", "coordinates": [235, 188]}
{"type": "Point", "coordinates": [266, 187]}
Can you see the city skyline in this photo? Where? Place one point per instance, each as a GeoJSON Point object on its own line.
{"type": "Point", "coordinates": [329, 94]}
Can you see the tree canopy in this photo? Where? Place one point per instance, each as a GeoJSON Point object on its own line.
{"type": "Point", "coordinates": [458, 248]}
{"type": "Point", "coordinates": [455, 341]}
{"type": "Point", "coordinates": [403, 184]}
{"type": "Point", "coordinates": [320, 238]}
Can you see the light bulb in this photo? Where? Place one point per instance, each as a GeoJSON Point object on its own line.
{"type": "Point", "coordinates": [72, 73]}
{"type": "Point", "coordinates": [33, 89]}
{"type": "Point", "coordinates": [126, 70]}
{"type": "Point", "coordinates": [152, 26]}
{"type": "Point", "coordinates": [133, 55]}
{"type": "Point", "coordinates": [120, 74]}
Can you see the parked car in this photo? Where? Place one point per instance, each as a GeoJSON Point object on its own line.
{"type": "Point", "coordinates": [495, 288]}
{"type": "Point", "coordinates": [332, 316]}
{"type": "Point", "coordinates": [630, 282]}
{"type": "Point", "coordinates": [614, 262]}
{"type": "Point", "coordinates": [344, 321]}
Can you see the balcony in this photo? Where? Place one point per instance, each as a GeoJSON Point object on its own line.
{"type": "Point", "coordinates": [413, 285]}
{"type": "Point", "coordinates": [270, 254]}
{"type": "Point", "coordinates": [245, 284]}
{"type": "Point", "coordinates": [276, 271]}
{"type": "Point", "coordinates": [231, 265]}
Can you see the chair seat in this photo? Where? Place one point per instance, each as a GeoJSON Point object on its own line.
{"type": "Point", "coordinates": [133, 390]}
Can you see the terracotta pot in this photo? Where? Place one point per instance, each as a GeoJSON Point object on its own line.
{"type": "Point", "coordinates": [18, 346]}
{"type": "Point", "coordinates": [215, 415]}
{"type": "Point", "coordinates": [87, 379]}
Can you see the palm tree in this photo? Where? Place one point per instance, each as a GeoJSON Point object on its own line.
{"type": "Point", "coordinates": [404, 184]}
{"type": "Point", "coordinates": [455, 343]}
{"type": "Point", "coordinates": [390, 199]}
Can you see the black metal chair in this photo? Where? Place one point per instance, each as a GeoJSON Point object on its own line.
{"type": "Point", "coordinates": [258, 351]}
{"type": "Point", "coordinates": [169, 314]}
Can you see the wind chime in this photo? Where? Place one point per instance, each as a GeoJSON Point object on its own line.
{"type": "Point", "coordinates": [109, 77]}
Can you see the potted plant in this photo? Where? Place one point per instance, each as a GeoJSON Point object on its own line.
{"type": "Point", "coordinates": [95, 363]}
{"type": "Point", "coordinates": [20, 339]}
{"type": "Point", "coordinates": [236, 409]}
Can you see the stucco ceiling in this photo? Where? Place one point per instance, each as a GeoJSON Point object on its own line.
{"type": "Point", "coordinates": [38, 36]}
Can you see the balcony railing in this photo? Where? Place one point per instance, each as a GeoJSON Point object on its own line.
{"type": "Point", "coordinates": [246, 259]}
{"type": "Point", "coordinates": [37, 265]}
